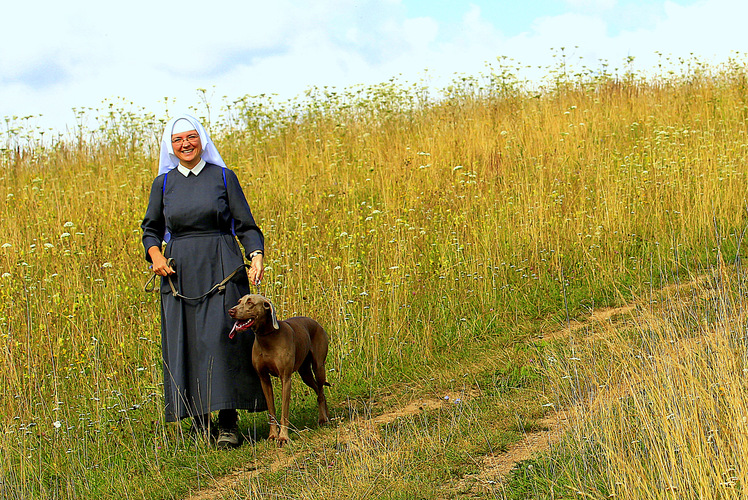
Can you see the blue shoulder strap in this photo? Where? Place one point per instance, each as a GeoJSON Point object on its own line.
{"type": "Point", "coordinates": [223, 171]}
{"type": "Point", "coordinates": [167, 234]}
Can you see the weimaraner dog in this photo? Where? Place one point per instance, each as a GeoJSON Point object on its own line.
{"type": "Point", "coordinates": [281, 348]}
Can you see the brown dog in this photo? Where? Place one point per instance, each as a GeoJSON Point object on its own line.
{"type": "Point", "coordinates": [281, 348]}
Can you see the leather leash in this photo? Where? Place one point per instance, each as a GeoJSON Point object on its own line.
{"type": "Point", "coordinates": [221, 286]}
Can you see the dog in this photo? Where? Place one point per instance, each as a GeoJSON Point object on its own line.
{"type": "Point", "coordinates": [281, 348]}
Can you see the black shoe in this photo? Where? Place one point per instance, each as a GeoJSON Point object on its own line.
{"type": "Point", "coordinates": [228, 438]}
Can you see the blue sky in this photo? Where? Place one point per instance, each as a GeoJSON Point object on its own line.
{"type": "Point", "coordinates": [56, 56]}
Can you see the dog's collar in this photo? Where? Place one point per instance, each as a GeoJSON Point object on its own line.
{"type": "Point", "coordinates": [272, 331]}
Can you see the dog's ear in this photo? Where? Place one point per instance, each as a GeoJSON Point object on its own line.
{"type": "Point", "coordinates": [270, 308]}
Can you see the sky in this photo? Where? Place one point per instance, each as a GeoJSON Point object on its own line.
{"type": "Point", "coordinates": [57, 57]}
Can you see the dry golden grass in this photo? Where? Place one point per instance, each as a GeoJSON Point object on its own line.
{"type": "Point", "coordinates": [659, 396]}
{"type": "Point", "coordinates": [417, 232]}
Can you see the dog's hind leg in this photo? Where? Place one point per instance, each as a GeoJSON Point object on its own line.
{"type": "Point", "coordinates": [317, 385]}
{"type": "Point", "coordinates": [305, 370]}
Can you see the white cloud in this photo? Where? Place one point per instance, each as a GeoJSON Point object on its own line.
{"type": "Point", "coordinates": [708, 30]}
{"type": "Point", "coordinates": [570, 30]}
{"type": "Point", "coordinates": [81, 52]}
{"type": "Point", "coordinates": [419, 34]}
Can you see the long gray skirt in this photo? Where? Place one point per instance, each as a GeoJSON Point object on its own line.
{"type": "Point", "coordinates": [204, 370]}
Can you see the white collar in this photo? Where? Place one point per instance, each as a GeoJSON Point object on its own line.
{"type": "Point", "coordinates": [195, 170]}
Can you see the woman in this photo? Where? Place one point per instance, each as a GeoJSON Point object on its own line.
{"type": "Point", "coordinates": [197, 205]}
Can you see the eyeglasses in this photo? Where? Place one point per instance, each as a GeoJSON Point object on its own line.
{"type": "Point", "coordinates": [192, 138]}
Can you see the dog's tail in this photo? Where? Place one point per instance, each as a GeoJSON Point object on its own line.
{"type": "Point", "coordinates": [328, 384]}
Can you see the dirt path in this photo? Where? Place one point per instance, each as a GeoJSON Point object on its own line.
{"type": "Point", "coordinates": [357, 431]}
{"type": "Point", "coordinates": [494, 468]}
{"type": "Point", "coordinates": [364, 431]}
{"type": "Point", "coordinates": [596, 317]}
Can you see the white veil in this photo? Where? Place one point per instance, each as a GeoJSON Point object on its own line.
{"type": "Point", "coordinates": [168, 159]}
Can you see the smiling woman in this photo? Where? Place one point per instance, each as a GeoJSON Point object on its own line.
{"type": "Point", "coordinates": [199, 202]}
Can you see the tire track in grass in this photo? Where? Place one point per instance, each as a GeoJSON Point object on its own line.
{"type": "Point", "coordinates": [364, 431]}
{"type": "Point", "coordinates": [494, 468]}
{"type": "Point", "coordinates": [359, 431]}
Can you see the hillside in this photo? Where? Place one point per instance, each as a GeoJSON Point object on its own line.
{"type": "Point", "coordinates": [448, 245]}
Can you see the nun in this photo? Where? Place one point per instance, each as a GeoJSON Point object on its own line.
{"type": "Point", "coordinates": [198, 208]}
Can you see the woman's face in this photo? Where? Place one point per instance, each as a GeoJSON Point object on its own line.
{"type": "Point", "coordinates": [187, 147]}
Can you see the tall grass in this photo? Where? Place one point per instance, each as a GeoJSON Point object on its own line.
{"type": "Point", "coordinates": [416, 229]}
{"type": "Point", "coordinates": [658, 401]}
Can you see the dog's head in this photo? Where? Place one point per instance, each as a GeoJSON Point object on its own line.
{"type": "Point", "coordinates": [253, 311]}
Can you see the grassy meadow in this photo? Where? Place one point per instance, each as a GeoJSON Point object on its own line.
{"type": "Point", "coordinates": [440, 240]}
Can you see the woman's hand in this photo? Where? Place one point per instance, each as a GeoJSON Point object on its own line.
{"type": "Point", "coordinates": [256, 269]}
{"type": "Point", "coordinates": [159, 266]}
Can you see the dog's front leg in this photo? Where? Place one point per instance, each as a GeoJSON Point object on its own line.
{"type": "Point", "coordinates": [267, 390]}
{"type": "Point", "coordinates": [285, 408]}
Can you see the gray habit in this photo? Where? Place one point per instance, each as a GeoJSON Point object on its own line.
{"type": "Point", "coordinates": [204, 370]}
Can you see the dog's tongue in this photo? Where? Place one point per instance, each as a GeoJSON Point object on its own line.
{"type": "Point", "coordinates": [234, 329]}
{"type": "Point", "coordinates": [240, 326]}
